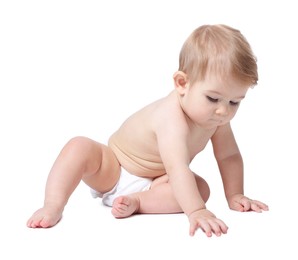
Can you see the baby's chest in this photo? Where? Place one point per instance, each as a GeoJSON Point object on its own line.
{"type": "Point", "coordinates": [197, 143]}
{"type": "Point", "coordinates": [196, 147]}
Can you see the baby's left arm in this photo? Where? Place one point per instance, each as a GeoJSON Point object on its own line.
{"type": "Point", "coordinates": [230, 164]}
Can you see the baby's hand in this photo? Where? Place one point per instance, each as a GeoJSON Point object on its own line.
{"type": "Point", "coordinates": [207, 221]}
{"type": "Point", "coordinates": [241, 203]}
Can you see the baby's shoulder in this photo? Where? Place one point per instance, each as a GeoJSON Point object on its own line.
{"type": "Point", "coordinates": [167, 114]}
{"type": "Point", "coordinates": [157, 109]}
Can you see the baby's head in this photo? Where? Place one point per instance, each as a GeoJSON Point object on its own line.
{"type": "Point", "coordinates": [218, 49]}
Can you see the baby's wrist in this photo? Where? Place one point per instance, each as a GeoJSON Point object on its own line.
{"type": "Point", "coordinates": [233, 195]}
{"type": "Point", "coordinates": [196, 210]}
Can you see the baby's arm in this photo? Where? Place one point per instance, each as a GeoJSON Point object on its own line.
{"type": "Point", "coordinates": [230, 165]}
{"type": "Point", "coordinates": [176, 159]}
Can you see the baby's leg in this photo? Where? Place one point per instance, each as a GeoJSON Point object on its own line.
{"type": "Point", "coordinates": [159, 199]}
{"type": "Point", "coordinates": [125, 206]}
{"type": "Point", "coordinates": [80, 159]}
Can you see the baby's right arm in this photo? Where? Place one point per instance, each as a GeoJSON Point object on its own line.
{"type": "Point", "coordinates": [176, 159]}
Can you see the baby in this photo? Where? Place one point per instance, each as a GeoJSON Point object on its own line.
{"type": "Point", "coordinates": [145, 166]}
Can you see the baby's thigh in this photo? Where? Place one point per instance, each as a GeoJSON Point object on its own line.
{"type": "Point", "coordinates": [108, 172]}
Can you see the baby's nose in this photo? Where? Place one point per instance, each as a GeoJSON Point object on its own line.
{"type": "Point", "coordinates": [222, 110]}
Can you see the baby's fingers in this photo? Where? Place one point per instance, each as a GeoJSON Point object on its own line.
{"type": "Point", "coordinates": [193, 228]}
{"type": "Point", "coordinates": [203, 224]}
{"type": "Point", "coordinates": [246, 203]}
{"type": "Point", "coordinates": [253, 205]}
{"type": "Point", "coordinates": [217, 227]}
{"type": "Point", "coordinates": [258, 206]}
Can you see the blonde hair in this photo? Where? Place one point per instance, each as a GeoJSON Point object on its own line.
{"type": "Point", "coordinates": [218, 49]}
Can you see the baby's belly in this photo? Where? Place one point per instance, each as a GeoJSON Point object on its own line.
{"type": "Point", "coordinates": [136, 165]}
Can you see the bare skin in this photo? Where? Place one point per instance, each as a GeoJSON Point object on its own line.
{"type": "Point", "coordinates": [167, 135]}
{"type": "Point", "coordinates": [145, 202]}
{"type": "Point", "coordinates": [80, 159]}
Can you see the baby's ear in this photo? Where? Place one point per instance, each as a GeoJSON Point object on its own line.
{"type": "Point", "coordinates": [181, 82]}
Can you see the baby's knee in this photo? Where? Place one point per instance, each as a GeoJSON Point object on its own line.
{"type": "Point", "coordinates": [81, 148]}
{"type": "Point", "coordinates": [160, 180]}
{"type": "Point", "coordinates": [203, 187]}
{"type": "Point", "coordinates": [79, 143]}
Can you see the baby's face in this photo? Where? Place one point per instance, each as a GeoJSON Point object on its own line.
{"type": "Point", "coordinates": [214, 101]}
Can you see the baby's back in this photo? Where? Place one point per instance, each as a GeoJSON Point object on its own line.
{"type": "Point", "coordinates": [135, 144]}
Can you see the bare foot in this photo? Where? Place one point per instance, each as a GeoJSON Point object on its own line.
{"type": "Point", "coordinates": [125, 206]}
{"type": "Point", "coordinates": [44, 218]}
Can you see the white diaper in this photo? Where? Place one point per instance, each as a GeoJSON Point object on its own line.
{"type": "Point", "coordinates": [127, 184]}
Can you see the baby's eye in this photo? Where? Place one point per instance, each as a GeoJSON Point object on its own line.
{"type": "Point", "coordinates": [213, 100]}
{"type": "Point", "coordinates": [232, 103]}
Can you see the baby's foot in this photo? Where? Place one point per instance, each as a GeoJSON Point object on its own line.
{"type": "Point", "coordinates": [44, 218]}
{"type": "Point", "coordinates": [125, 206]}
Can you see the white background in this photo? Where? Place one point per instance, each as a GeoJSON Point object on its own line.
{"type": "Point", "coordinates": [71, 68]}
